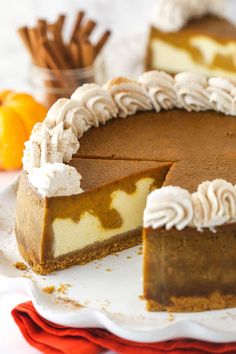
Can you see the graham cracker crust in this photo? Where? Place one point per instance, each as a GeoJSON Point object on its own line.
{"type": "Point", "coordinates": [90, 253]}
{"type": "Point", "coordinates": [215, 301]}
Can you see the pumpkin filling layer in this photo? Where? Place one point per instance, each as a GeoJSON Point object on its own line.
{"type": "Point", "coordinates": [89, 228]}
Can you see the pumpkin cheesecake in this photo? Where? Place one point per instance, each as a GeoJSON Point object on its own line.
{"type": "Point", "coordinates": [90, 166]}
{"type": "Point", "coordinates": [196, 34]}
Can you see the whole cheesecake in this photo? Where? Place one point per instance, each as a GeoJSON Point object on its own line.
{"type": "Point", "coordinates": [196, 35]}
{"type": "Point", "coordinates": [89, 167]}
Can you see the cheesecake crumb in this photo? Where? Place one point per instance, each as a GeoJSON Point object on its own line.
{"type": "Point", "coordinates": [63, 288]}
{"type": "Point", "coordinates": [128, 257]}
{"type": "Point", "coordinates": [21, 266]}
{"type": "Point", "coordinates": [141, 297]}
{"type": "Point", "coordinates": [140, 251]}
{"type": "Point", "coordinates": [108, 270]}
{"type": "Point", "coordinates": [49, 289]}
{"type": "Point", "coordinates": [115, 254]}
{"type": "Point", "coordinates": [68, 301]}
{"type": "Point", "coordinates": [170, 317]}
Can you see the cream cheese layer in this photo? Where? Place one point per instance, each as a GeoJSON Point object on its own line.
{"type": "Point", "coordinates": [70, 236]}
{"type": "Point", "coordinates": [164, 52]}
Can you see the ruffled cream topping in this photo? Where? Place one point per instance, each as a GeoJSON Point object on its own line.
{"type": "Point", "coordinates": [129, 96]}
{"type": "Point", "coordinates": [191, 91]}
{"type": "Point", "coordinates": [71, 114]}
{"type": "Point", "coordinates": [49, 180]}
{"type": "Point", "coordinates": [221, 93]}
{"type": "Point", "coordinates": [214, 204]}
{"type": "Point", "coordinates": [49, 145]}
{"type": "Point", "coordinates": [168, 207]}
{"type": "Point", "coordinates": [98, 101]}
{"type": "Point", "coordinates": [160, 87]}
{"type": "Point", "coordinates": [172, 15]}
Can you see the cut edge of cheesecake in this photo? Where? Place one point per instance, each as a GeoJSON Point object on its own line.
{"type": "Point", "coordinates": [48, 221]}
{"type": "Point", "coordinates": [217, 30]}
{"type": "Point", "coordinates": [183, 285]}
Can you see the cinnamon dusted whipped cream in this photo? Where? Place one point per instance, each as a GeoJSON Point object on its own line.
{"type": "Point", "coordinates": [172, 15]}
{"type": "Point", "coordinates": [213, 204]}
{"type": "Point", "coordinates": [221, 92]}
{"type": "Point", "coordinates": [56, 179]}
{"type": "Point", "coordinates": [168, 207]}
{"type": "Point", "coordinates": [49, 145]}
{"type": "Point", "coordinates": [129, 96]}
{"type": "Point", "coordinates": [160, 87]}
{"type": "Point", "coordinates": [71, 114]}
{"type": "Point", "coordinates": [191, 91]}
{"type": "Point", "coordinates": [98, 101]}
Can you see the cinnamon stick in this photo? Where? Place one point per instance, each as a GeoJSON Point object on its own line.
{"type": "Point", "coordinates": [60, 22]}
{"type": "Point", "coordinates": [78, 21]}
{"type": "Point", "coordinates": [101, 42]}
{"type": "Point", "coordinates": [35, 37]}
{"type": "Point", "coordinates": [48, 49]}
{"type": "Point", "coordinates": [59, 42]}
{"type": "Point", "coordinates": [87, 29]}
{"type": "Point", "coordinates": [24, 35]}
{"type": "Point", "coordinates": [56, 63]}
{"type": "Point", "coordinates": [42, 26]}
{"type": "Point", "coordinates": [53, 48]}
{"type": "Point", "coordinates": [75, 53]}
{"type": "Point", "coordinates": [49, 55]}
{"type": "Point", "coordinates": [87, 51]}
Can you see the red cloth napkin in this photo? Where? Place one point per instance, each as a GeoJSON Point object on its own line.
{"type": "Point", "coordinates": [54, 339]}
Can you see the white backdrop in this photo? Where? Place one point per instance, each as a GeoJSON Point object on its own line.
{"type": "Point", "coordinates": [125, 17]}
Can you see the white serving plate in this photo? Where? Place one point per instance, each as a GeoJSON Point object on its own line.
{"type": "Point", "coordinates": [109, 291]}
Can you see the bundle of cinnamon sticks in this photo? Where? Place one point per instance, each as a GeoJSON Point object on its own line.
{"type": "Point", "coordinates": [48, 49]}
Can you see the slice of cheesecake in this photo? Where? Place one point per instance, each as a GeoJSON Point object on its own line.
{"type": "Point", "coordinates": [189, 244]}
{"type": "Point", "coordinates": [205, 44]}
{"type": "Point", "coordinates": [54, 233]}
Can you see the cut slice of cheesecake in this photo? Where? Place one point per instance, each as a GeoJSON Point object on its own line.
{"type": "Point", "coordinates": [189, 244]}
{"type": "Point", "coordinates": [206, 45]}
{"type": "Point", "coordinates": [54, 233]}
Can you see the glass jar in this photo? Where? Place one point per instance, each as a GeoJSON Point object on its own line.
{"type": "Point", "coordinates": [49, 85]}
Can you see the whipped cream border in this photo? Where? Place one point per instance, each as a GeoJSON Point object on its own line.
{"type": "Point", "coordinates": [56, 139]}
